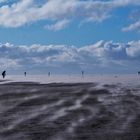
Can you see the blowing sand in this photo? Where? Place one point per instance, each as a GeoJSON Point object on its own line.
{"type": "Point", "coordinates": [69, 111]}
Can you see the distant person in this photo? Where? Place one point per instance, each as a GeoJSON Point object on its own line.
{"type": "Point", "coordinates": [82, 72]}
{"type": "Point", "coordinates": [3, 74]}
{"type": "Point", "coordinates": [25, 74]}
{"type": "Point", "coordinates": [49, 74]}
{"type": "Point", "coordinates": [138, 72]}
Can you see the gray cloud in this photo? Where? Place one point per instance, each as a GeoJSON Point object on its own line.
{"type": "Point", "coordinates": [100, 55]}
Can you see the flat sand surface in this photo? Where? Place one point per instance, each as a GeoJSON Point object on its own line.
{"type": "Point", "coordinates": [69, 111]}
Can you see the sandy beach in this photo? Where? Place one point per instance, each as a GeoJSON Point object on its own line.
{"type": "Point", "coordinates": [69, 69]}
{"type": "Point", "coordinates": [69, 111]}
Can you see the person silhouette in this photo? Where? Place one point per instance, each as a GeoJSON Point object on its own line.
{"type": "Point", "coordinates": [49, 74]}
{"type": "Point", "coordinates": [25, 73]}
{"type": "Point", "coordinates": [3, 74]}
{"type": "Point", "coordinates": [82, 72]}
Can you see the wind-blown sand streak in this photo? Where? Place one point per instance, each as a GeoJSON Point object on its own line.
{"type": "Point", "coordinates": [74, 111]}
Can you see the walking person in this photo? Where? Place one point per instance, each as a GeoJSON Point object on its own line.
{"type": "Point", "coordinates": [49, 74]}
{"type": "Point", "coordinates": [82, 72]}
{"type": "Point", "coordinates": [3, 74]}
{"type": "Point", "coordinates": [25, 73]}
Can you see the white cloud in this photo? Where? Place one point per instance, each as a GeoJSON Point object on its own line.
{"type": "Point", "coordinates": [27, 11]}
{"type": "Point", "coordinates": [58, 25]}
{"type": "Point", "coordinates": [134, 17]}
{"type": "Point", "coordinates": [101, 55]}
{"type": "Point", "coordinates": [126, 2]}
{"type": "Point", "coordinates": [1, 1]}
{"type": "Point", "coordinates": [134, 49]}
{"type": "Point", "coordinates": [134, 26]}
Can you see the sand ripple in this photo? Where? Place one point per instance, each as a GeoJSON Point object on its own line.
{"type": "Point", "coordinates": [82, 111]}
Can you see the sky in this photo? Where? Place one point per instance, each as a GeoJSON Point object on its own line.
{"type": "Point", "coordinates": [68, 36]}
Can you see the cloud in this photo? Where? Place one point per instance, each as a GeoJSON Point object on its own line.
{"type": "Point", "coordinates": [135, 21]}
{"type": "Point", "coordinates": [134, 49]}
{"type": "Point", "coordinates": [62, 58]}
{"type": "Point", "coordinates": [58, 25]}
{"type": "Point", "coordinates": [1, 1]}
{"type": "Point", "coordinates": [126, 2]}
{"type": "Point", "coordinates": [134, 26]}
{"type": "Point", "coordinates": [23, 12]}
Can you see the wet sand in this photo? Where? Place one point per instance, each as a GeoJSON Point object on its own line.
{"type": "Point", "coordinates": [69, 111]}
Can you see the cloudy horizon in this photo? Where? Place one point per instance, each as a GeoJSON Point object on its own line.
{"type": "Point", "coordinates": [99, 58]}
{"type": "Point", "coordinates": [67, 36]}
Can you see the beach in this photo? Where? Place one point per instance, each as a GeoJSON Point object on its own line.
{"type": "Point", "coordinates": [68, 110]}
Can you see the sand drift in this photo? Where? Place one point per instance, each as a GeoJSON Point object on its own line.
{"type": "Point", "coordinates": [70, 111]}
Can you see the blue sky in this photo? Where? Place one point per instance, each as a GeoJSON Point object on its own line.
{"type": "Point", "coordinates": [98, 36]}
